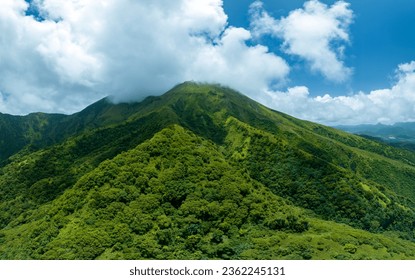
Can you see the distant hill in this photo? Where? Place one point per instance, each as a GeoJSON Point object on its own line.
{"type": "Point", "coordinates": [201, 172]}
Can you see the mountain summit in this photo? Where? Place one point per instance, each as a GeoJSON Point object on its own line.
{"type": "Point", "coordinates": [201, 172]}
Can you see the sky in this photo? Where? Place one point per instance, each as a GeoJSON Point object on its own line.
{"type": "Point", "coordinates": [331, 62]}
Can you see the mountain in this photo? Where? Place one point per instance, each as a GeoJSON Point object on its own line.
{"type": "Point", "coordinates": [201, 172]}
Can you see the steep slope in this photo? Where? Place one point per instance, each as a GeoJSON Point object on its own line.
{"type": "Point", "coordinates": [317, 176]}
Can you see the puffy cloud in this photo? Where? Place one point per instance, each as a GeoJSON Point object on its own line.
{"type": "Point", "coordinates": [316, 33]}
{"type": "Point", "coordinates": [41, 63]}
{"type": "Point", "coordinates": [395, 104]}
{"type": "Point", "coordinates": [84, 50]}
{"type": "Point", "coordinates": [230, 61]}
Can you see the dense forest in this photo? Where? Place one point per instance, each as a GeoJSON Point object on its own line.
{"type": "Point", "coordinates": [201, 172]}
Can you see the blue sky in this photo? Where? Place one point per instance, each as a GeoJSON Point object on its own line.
{"type": "Point", "coordinates": [332, 62]}
{"type": "Point", "coordinates": [382, 37]}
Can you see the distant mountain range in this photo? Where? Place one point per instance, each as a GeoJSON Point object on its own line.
{"type": "Point", "coordinates": [201, 172]}
{"type": "Point", "coordinates": [399, 134]}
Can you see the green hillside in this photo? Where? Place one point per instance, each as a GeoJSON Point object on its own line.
{"type": "Point", "coordinates": [201, 172]}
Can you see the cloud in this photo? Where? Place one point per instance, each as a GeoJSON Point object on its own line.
{"type": "Point", "coordinates": [81, 51]}
{"type": "Point", "coordinates": [230, 61]}
{"type": "Point", "coordinates": [395, 104]}
{"type": "Point", "coordinates": [42, 64]}
{"type": "Point", "coordinates": [316, 33]}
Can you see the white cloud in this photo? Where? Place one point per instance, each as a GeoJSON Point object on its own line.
{"type": "Point", "coordinates": [88, 49]}
{"type": "Point", "coordinates": [316, 33]}
{"type": "Point", "coordinates": [41, 64]}
{"type": "Point", "coordinates": [395, 104]}
{"type": "Point", "coordinates": [230, 61]}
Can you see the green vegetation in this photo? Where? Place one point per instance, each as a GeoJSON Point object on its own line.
{"type": "Point", "coordinates": [200, 173]}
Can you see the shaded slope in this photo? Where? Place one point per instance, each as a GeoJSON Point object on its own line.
{"type": "Point", "coordinates": [18, 132]}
